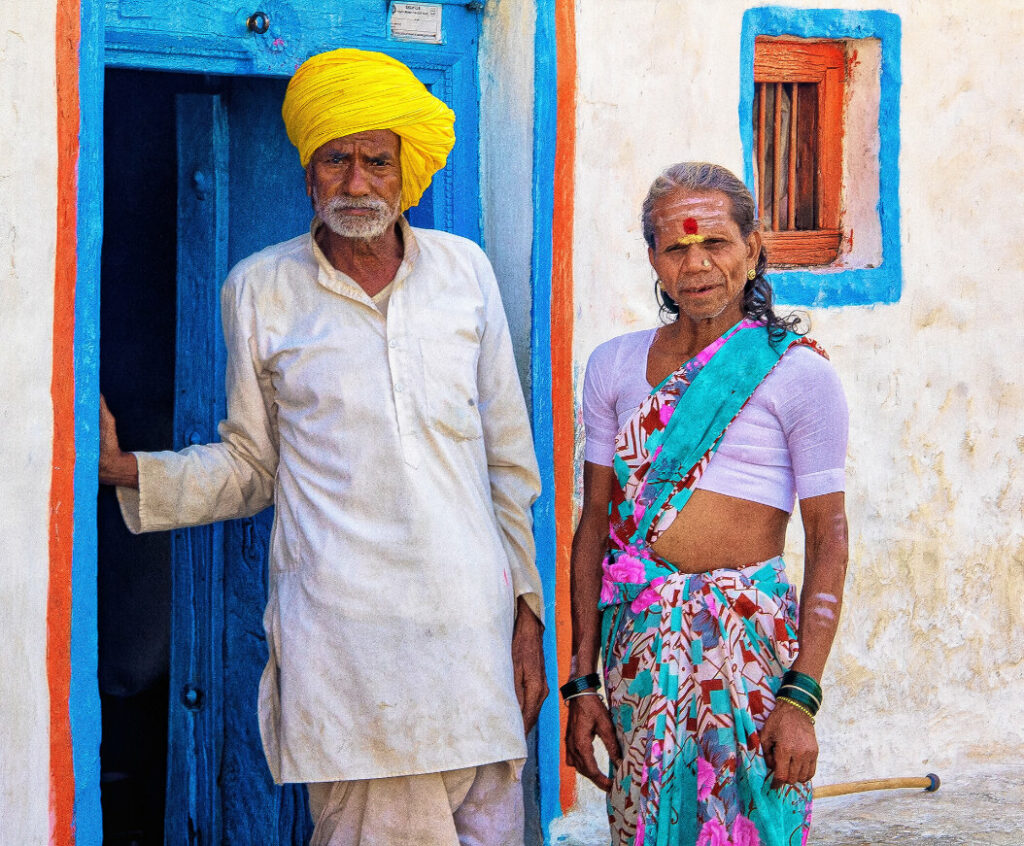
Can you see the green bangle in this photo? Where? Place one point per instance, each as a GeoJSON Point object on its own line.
{"type": "Point", "coordinates": [799, 696]}
{"type": "Point", "coordinates": [803, 682]}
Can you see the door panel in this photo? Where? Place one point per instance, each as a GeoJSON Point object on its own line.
{"type": "Point", "coordinates": [190, 33]}
{"type": "Point", "coordinates": [194, 739]}
{"type": "Point", "coordinates": [268, 205]}
{"type": "Point", "coordinates": [239, 189]}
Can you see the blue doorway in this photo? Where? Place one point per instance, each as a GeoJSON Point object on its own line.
{"type": "Point", "coordinates": [199, 174]}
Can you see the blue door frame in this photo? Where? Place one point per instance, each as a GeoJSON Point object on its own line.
{"type": "Point", "coordinates": [134, 39]}
{"type": "Point", "coordinates": [84, 700]}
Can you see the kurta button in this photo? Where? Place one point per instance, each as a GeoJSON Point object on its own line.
{"type": "Point", "coordinates": [398, 388]}
{"type": "Point", "coordinates": [392, 343]}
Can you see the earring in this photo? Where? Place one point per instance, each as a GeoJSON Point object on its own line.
{"type": "Point", "coordinates": [751, 274]}
{"type": "Point", "coordinates": [659, 284]}
{"type": "Point", "coordinates": [705, 263]}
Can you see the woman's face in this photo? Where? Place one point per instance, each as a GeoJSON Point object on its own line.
{"type": "Point", "coordinates": [700, 256]}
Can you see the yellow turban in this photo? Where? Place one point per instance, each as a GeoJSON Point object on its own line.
{"type": "Point", "coordinates": [347, 91]}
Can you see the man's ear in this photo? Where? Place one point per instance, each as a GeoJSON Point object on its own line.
{"type": "Point", "coordinates": [309, 180]}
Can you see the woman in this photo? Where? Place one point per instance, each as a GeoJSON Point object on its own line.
{"type": "Point", "coordinates": [699, 433]}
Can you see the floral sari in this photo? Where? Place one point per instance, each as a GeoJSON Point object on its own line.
{"type": "Point", "coordinates": [692, 661]}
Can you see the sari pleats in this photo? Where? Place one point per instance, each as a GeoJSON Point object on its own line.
{"type": "Point", "coordinates": [691, 680]}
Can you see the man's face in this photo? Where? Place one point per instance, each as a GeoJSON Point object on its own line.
{"type": "Point", "coordinates": [355, 183]}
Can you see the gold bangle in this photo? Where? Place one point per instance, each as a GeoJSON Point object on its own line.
{"type": "Point", "coordinates": [796, 705]}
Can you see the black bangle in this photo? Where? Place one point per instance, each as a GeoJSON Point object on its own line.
{"type": "Point", "coordinates": [591, 681]}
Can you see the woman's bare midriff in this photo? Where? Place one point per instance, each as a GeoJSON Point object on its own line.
{"type": "Point", "coordinates": [715, 530]}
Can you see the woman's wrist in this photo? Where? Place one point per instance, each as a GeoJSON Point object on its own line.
{"type": "Point", "coordinates": [786, 701]}
{"type": "Point", "coordinates": [583, 663]}
{"type": "Point", "coordinates": [801, 690]}
{"type": "Point", "coordinates": [583, 693]}
{"type": "Point", "coordinates": [580, 684]}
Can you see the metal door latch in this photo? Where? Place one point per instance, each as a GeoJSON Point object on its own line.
{"type": "Point", "coordinates": [258, 22]}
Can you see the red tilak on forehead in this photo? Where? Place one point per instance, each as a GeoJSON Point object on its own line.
{"type": "Point", "coordinates": [690, 226]}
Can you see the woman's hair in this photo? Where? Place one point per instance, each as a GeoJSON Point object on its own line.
{"type": "Point", "coordinates": [703, 176]}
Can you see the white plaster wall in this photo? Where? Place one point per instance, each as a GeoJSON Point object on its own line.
{"type": "Point", "coordinates": [926, 671]}
{"type": "Point", "coordinates": [506, 160]}
{"type": "Point", "coordinates": [28, 169]}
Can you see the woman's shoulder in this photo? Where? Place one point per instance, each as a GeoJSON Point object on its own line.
{"type": "Point", "coordinates": [623, 346]}
{"type": "Point", "coordinates": [806, 358]}
{"type": "Point", "coordinates": [616, 364]}
{"type": "Point", "coordinates": [802, 372]}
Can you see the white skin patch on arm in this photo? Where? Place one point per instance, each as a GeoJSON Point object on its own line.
{"type": "Point", "coordinates": [816, 606]}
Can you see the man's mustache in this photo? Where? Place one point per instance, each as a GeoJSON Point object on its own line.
{"type": "Point", "coordinates": [344, 203]}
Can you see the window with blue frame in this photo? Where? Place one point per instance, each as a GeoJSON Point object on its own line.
{"type": "Point", "coordinates": [819, 120]}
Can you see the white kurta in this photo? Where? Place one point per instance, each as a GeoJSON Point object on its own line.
{"type": "Point", "coordinates": [398, 455]}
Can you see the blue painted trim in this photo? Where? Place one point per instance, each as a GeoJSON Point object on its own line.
{"type": "Point", "coordinates": [84, 706]}
{"type": "Point", "coordinates": [545, 126]}
{"type": "Point", "coordinates": [862, 286]}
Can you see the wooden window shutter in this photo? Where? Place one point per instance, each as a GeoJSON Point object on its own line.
{"type": "Point", "coordinates": [798, 147]}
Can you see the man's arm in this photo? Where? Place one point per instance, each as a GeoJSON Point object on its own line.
{"type": "Point", "coordinates": [515, 485]}
{"type": "Point", "coordinates": [508, 442]}
{"type": "Point", "coordinates": [234, 478]}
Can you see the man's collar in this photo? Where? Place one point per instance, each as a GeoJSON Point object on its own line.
{"type": "Point", "coordinates": [341, 283]}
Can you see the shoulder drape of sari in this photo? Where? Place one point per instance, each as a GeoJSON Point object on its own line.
{"type": "Point", "coordinates": [663, 449]}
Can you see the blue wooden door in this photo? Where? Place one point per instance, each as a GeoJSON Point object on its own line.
{"type": "Point", "coordinates": [240, 188]}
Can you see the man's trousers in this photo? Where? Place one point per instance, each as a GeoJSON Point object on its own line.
{"type": "Point", "coordinates": [474, 806]}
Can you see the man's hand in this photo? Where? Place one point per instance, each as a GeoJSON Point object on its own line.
{"type": "Point", "coordinates": [528, 663]}
{"type": "Point", "coordinates": [790, 747]}
{"type": "Point", "coordinates": [116, 466]}
{"type": "Point", "coordinates": [589, 717]}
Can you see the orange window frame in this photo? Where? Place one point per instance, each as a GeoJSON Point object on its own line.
{"type": "Point", "coordinates": [785, 60]}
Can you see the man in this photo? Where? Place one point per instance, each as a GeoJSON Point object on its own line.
{"type": "Point", "coordinates": [373, 399]}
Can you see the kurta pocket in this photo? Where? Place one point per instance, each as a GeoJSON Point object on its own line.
{"type": "Point", "coordinates": [450, 385]}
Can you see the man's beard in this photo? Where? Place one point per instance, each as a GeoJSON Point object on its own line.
{"type": "Point", "coordinates": [367, 227]}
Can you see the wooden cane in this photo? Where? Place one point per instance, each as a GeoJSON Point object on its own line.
{"type": "Point", "coordinates": [930, 783]}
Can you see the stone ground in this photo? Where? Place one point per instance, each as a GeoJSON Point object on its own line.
{"type": "Point", "coordinates": [980, 807]}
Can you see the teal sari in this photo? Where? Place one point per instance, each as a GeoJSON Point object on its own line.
{"type": "Point", "coordinates": [692, 661]}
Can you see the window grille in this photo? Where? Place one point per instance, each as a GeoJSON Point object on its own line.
{"type": "Point", "coordinates": [797, 115]}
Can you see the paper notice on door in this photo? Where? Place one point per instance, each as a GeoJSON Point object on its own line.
{"type": "Point", "coordinates": [416, 22]}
